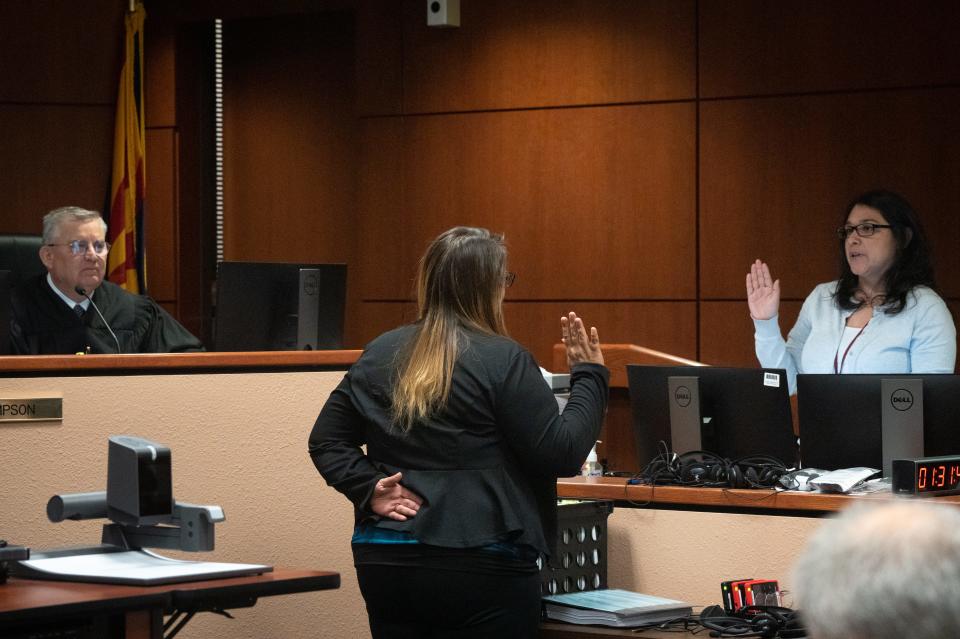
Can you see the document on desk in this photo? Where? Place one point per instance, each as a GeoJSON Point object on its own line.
{"type": "Point", "coordinates": [613, 607]}
{"type": "Point", "coordinates": [132, 567]}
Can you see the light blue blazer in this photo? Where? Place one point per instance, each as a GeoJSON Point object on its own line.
{"type": "Point", "coordinates": [919, 339]}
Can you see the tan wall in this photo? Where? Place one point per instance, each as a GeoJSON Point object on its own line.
{"type": "Point", "coordinates": [686, 555]}
{"type": "Point", "coordinates": [239, 441]}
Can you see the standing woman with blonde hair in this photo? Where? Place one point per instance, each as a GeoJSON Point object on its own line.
{"type": "Point", "coordinates": [455, 497]}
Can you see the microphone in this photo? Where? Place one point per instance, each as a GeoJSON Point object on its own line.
{"type": "Point", "coordinates": [82, 291]}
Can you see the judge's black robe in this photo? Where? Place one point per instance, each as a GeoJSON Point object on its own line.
{"type": "Point", "coordinates": [43, 324]}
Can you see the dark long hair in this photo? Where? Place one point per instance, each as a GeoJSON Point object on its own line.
{"type": "Point", "coordinates": [460, 285]}
{"type": "Point", "coordinates": [911, 265]}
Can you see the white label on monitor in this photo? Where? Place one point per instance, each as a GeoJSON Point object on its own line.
{"type": "Point", "coordinates": [771, 379]}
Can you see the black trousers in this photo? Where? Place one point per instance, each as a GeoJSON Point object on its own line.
{"type": "Point", "coordinates": [428, 603]}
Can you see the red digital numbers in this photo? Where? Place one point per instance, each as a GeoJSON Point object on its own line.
{"type": "Point", "coordinates": [938, 476]}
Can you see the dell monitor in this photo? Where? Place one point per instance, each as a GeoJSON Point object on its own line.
{"type": "Point", "coordinates": [848, 421]}
{"type": "Point", "coordinates": [742, 412]}
{"type": "Point", "coordinates": [267, 306]}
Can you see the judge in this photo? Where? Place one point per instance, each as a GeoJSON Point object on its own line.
{"type": "Point", "coordinates": [53, 313]}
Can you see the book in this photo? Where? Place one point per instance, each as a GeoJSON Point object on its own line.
{"type": "Point", "coordinates": [613, 607]}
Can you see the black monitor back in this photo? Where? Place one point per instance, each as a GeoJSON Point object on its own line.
{"type": "Point", "coordinates": [840, 418]}
{"type": "Point", "coordinates": [258, 305]}
{"type": "Point", "coordinates": [747, 416]}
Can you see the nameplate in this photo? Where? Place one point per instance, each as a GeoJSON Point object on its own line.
{"type": "Point", "coordinates": [31, 409]}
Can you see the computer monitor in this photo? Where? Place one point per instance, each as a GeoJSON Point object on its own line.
{"type": "Point", "coordinates": [268, 306]}
{"type": "Point", "coordinates": [742, 411]}
{"type": "Point", "coordinates": [841, 418]}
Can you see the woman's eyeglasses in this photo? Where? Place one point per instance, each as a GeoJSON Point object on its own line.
{"type": "Point", "coordinates": [80, 247]}
{"type": "Point", "coordinates": [864, 229]}
{"type": "Point", "coordinates": [509, 278]}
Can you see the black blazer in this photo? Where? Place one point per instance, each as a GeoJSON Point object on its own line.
{"type": "Point", "coordinates": [486, 465]}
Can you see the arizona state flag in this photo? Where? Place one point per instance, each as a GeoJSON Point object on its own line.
{"type": "Point", "coordinates": [127, 263]}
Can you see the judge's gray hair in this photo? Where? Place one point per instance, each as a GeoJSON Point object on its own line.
{"type": "Point", "coordinates": [56, 217]}
{"type": "Point", "coordinates": [883, 571]}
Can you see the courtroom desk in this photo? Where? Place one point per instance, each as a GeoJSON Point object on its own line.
{"type": "Point", "coordinates": [732, 500]}
{"type": "Point", "coordinates": [237, 427]}
{"type": "Point", "coordinates": [159, 363]}
{"type": "Point", "coordinates": [27, 602]}
{"type": "Point", "coordinates": [682, 542]}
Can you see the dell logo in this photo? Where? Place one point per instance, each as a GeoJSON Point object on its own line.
{"type": "Point", "coordinates": [682, 396]}
{"type": "Point", "coordinates": [901, 399]}
{"type": "Point", "coordinates": [310, 285]}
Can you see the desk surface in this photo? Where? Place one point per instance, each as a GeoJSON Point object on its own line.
{"type": "Point", "coordinates": [58, 365]}
{"type": "Point", "coordinates": [25, 599]}
{"type": "Point", "coordinates": [724, 498]}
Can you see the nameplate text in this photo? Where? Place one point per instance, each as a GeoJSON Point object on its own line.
{"type": "Point", "coordinates": [30, 409]}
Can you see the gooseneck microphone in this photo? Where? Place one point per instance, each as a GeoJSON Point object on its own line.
{"type": "Point", "coordinates": [82, 291]}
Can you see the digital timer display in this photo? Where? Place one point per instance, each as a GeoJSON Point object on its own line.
{"type": "Point", "coordinates": [927, 476]}
{"type": "Point", "coordinates": [937, 476]}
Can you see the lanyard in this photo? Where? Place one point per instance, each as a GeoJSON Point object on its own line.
{"type": "Point", "coordinates": [837, 369]}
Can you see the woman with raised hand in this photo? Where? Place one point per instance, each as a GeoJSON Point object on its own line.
{"type": "Point", "coordinates": [881, 316]}
{"type": "Point", "coordinates": [455, 496]}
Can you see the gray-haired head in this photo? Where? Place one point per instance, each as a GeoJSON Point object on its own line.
{"type": "Point", "coordinates": [53, 220]}
{"type": "Point", "coordinates": [883, 571]}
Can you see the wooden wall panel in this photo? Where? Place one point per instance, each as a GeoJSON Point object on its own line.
{"type": "Point", "coordinates": [382, 240]}
{"type": "Point", "coordinates": [159, 72]}
{"type": "Point", "coordinates": [160, 222]}
{"type": "Point", "coordinates": [752, 47]}
{"type": "Point", "coordinates": [374, 318]}
{"type": "Point", "coordinates": [379, 57]}
{"type": "Point", "coordinates": [608, 192]}
{"type": "Point", "coordinates": [664, 326]}
{"type": "Point", "coordinates": [726, 331]}
{"type": "Point", "coordinates": [289, 139]}
{"type": "Point", "coordinates": [61, 51]}
{"type": "Point", "coordinates": [509, 54]}
{"type": "Point", "coordinates": [53, 155]}
{"type": "Point", "coordinates": [776, 175]}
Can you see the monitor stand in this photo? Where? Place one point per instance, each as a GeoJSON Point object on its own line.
{"type": "Point", "coordinates": [308, 310]}
{"type": "Point", "coordinates": [685, 417]}
{"type": "Point", "coordinates": [901, 420]}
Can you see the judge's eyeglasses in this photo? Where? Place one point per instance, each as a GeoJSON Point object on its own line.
{"type": "Point", "coordinates": [80, 247]}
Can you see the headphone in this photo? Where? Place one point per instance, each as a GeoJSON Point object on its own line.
{"type": "Point", "coordinates": [753, 621]}
{"type": "Point", "coordinates": [760, 471]}
{"type": "Point", "coordinates": [705, 469]}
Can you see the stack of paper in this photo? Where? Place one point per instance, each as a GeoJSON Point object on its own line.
{"type": "Point", "coordinates": [133, 567]}
{"type": "Point", "coordinates": [612, 607]}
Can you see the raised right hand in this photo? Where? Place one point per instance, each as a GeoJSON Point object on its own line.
{"type": "Point", "coordinates": [763, 293]}
{"type": "Point", "coordinates": [581, 346]}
